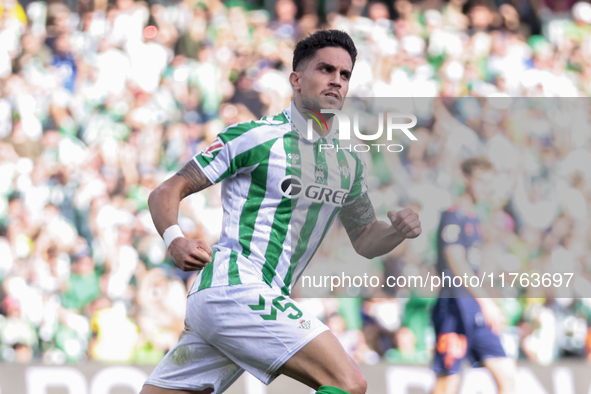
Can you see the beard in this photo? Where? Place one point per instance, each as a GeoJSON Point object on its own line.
{"type": "Point", "coordinates": [316, 104]}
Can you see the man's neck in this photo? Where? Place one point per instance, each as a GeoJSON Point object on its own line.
{"type": "Point", "coordinates": [324, 133]}
{"type": "Point", "coordinates": [318, 129]}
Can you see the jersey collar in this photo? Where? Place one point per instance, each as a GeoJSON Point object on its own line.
{"type": "Point", "coordinates": [300, 124]}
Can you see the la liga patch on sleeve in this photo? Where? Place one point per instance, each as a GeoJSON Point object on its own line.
{"type": "Point", "coordinates": [215, 146]}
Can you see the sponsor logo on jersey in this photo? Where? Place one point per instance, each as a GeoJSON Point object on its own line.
{"type": "Point", "coordinates": [305, 324]}
{"type": "Point", "coordinates": [326, 194]}
{"type": "Point", "coordinates": [215, 146]}
{"type": "Point", "coordinates": [290, 186]}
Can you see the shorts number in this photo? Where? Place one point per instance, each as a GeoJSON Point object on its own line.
{"type": "Point", "coordinates": [298, 313]}
{"type": "Point", "coordinates": [276, 305]}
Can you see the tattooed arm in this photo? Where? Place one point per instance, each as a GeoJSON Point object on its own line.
{"type": "Point", "coordinates": [164, 206]}
{"type": "Point", "coordinates": [164, 200]}
{"type": "Point", "coordinates": [372, 238]}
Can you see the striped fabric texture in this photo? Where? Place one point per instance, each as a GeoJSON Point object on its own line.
{"type": "Point", "coordinates": [280, 194]}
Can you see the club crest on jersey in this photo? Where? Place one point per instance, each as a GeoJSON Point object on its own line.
{"type": "Point", "coordinates": [345, 171]}
{"type": "Point", "coordinates": [305, 324]}
{"type": "Point", "coordinates": [319, 173]}
{"type": "Point", "coordinates": [215, 146]}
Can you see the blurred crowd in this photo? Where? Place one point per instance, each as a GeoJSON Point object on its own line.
{"type": "Point", "coordinates": [100, 101]}
{"type": "Point", "coordinates": [535, 224]}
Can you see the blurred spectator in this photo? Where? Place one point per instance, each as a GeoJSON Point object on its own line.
{"type": "Point", "coordinates": [285, 25]}
{"type": "Point", "coordinates": [12, 10]}
{"type": "Point", "coordinates": [63, 61]}
{"type": "Point", "coordinates": [247, 96]}
{"type": "Point", "coordinates": [114, 334]}
{"type": "Point", "coordinates": [161, 310]}
{"type": "Point", "coordinates": [352, 340]}
{"type": "Point", "coordinates": [83, 286]}
{"type": "Point", "coordinates": [405, 351]}
{"type": "Point", "coordinates": [18, 336]}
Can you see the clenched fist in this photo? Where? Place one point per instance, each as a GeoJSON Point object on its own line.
{"type": "Point", "coordinates": [406, 222]}
{"type": "Point", "coordinates": [190, 254]}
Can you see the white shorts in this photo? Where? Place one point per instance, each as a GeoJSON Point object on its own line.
{"type": "Point", "coordinates": [231, 329]}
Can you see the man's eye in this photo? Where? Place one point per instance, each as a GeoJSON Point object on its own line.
{"type": "Point", "coordinates": [345, 76]}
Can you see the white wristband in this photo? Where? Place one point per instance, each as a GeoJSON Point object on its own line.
{"type": "Point", "coordinates": [172, 233]}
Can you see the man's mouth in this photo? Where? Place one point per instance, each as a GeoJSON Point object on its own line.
{"type": "Point", "coordinates": [332, 94]}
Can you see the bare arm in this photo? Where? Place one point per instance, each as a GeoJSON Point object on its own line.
{"type": "Point", "coordinates": [372, 238]}
{"type": "Point", "coordinates": [164, 206]}
{"type": "Point", "coordinates": [165, 199]}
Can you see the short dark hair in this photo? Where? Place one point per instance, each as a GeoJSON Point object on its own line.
{"type": "Point", "coordinates": [468, 166]}
{"type": "Point", "coordinates": [306, 48]}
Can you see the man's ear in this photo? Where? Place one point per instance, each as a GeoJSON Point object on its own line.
{"type": "Point", "coordinates": [294, 80]}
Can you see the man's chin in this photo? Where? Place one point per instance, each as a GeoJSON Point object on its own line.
{"type": "Point", "coordinates": [322, 102]}
{"type": "Point", "coordinates": [330, 102]}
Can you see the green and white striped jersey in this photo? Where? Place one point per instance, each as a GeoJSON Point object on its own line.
{"type": "Point", "coordinates": [280, 195]}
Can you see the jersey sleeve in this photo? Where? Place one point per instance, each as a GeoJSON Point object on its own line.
{"type": "Point", "coordinates": [450, 230]}
{"type": "Point", "coordinates": [230, 153]}
{"type": "Point", "coordinates": [360, 183]}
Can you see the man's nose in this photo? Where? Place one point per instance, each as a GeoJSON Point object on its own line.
{"type": "Point", "coordinates": [336, 80]}
{"type": "Point", "coordinates": [335, 84]}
